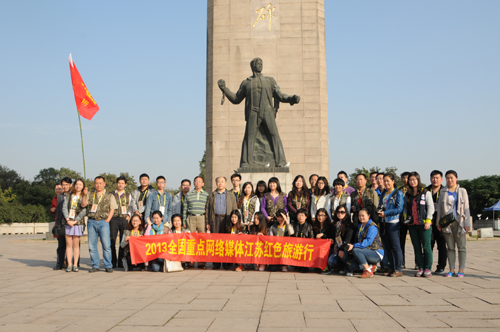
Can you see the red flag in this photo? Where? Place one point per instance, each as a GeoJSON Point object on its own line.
{"type": "Point", "coordinates": [85, 104]}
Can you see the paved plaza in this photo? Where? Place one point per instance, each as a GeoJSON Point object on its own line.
{"type": "Point", "coordinates": [33, 297]}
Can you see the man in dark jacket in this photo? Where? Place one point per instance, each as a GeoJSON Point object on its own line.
{"type": "Point", "coordinates": [61, 240]}
{"type": "Point", "coordinates": [437, 235]}
{"type": "Point", "coordinates": [220, 203]}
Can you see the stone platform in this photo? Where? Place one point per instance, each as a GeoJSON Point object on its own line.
{"type": "Point", "coordinates": [33, 297]}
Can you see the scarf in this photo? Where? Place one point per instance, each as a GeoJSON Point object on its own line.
{"type": "Point", "coordinates": [155, 230]}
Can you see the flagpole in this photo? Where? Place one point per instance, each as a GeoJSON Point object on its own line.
{"type": "Point", "coordinates": [83, 152]}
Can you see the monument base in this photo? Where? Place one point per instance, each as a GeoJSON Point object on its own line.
{"type": "Point", "coordinates": [285, 177]}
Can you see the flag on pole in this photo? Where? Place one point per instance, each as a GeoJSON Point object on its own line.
{"type": "Point", "coordinates": [85, 104]}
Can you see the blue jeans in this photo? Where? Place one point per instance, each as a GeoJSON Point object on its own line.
{"type": "Point", "coordinates": [334, 261]}
{"type": "Point", "coordinates": [99, 228]}
{"type": "Point", "coordinates": [365, 256]}
{"type": "Point", "coordinates": [393, 247]}
{"type": "Point", "coordinates": [157, 265]}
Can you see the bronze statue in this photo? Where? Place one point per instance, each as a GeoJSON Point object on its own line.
{"type": "Point", "coordinates": [261, 144]}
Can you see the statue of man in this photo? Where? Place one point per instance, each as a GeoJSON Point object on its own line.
{"type": "Point", "coordinates": [263, 96]}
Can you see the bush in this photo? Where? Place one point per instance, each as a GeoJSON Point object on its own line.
{"type": "Point", "coordinates": [22, 214]}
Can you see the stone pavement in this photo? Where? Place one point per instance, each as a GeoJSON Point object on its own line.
{"type": "Point", "coordinates": [33, 297]}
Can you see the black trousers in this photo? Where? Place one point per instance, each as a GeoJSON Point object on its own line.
{"type": "Point", "coordinates": [219, 227]}
{"type": "Point", "coordinates": [402, 239]}
{"type": "Point", "coordinates": [438, 237]}
{"type": "Point", "coordinates": [61, 250]}
{"type": "Point", "coordinates": [117, 225]}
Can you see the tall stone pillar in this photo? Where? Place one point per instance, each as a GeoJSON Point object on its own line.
{"type": "Point", "coordinates": [289, 36]}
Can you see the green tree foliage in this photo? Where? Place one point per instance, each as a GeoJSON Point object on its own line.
{"type": "Point", "coordinates": [47, 177]}
{"type": "Point", "coordinates": [363, 170]}
{"type": "Point", "coordinates": [111, 182]}
{"type": "Point", "coordinates": [203, 167]}
{"type": "Point", "coordinates": [483, 192]}
{"type": "Point", "coordinates": [7, 195]}
{"type": "Point", "coordinates": [10, 213]}
{"type": "Point", "coordinates": [9, 178]}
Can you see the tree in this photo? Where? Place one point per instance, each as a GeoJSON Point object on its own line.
{"type": "Point", "coordinates": [363, 170]}
{"type": "Point", "coordinates": [111, 182]}
{"type": "Point", "coordinates": [203, 166]}
{"type": "Point", "coordinates": [483, 192]}
{"type": "Point", "coordinates": [47, 177]}
{"type": "Point", "coordinates": [66, 172]}
{"type": "Point", "coordinates": [9, 178]}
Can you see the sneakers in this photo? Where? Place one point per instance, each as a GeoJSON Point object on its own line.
{"type": "Point", "coordinates": [284, 269]}
{"type": "Point", "coordinates": [427, 273]}
{"type": "Point", "coordinates": [239, 268]}
{"type": "Point", "coordinates": [75, 269]}
{"type": "Point", "coordinates": [93, 270]}
{"type": "Point", "coordinates": [109, 270]}
{"type": "Point", "coordinates": [396, 274]}
{"type": "Point", "coordinates": [69, 269]}
{"type": "Point", "coordinates": [439, 271]}
{"type": "Point", "coordinates": [348, 274]}
{"type": "Point", "coordinates": [327, 273]}
{"type": "Point", "coordinates": [449, 274]}
{"type": "Point", "coordinates": [373, 269]}
{"type": "Point", "coordinates": [342, 272]}
{"type": "Point", "coordinates": [262, 268]}
{"type": "Point", "coordinates": [460, 274]}
{"type": "Point", "coordinates": [419, 273]}
{"type": "Point", "coordinates": [367, 274]}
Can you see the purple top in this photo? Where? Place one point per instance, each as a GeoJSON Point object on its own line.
{"type": "Point", "coordinates": [275, 199]}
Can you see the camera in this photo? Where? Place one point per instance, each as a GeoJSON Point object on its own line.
{"type": "Point", "coordinates": [380, 209]}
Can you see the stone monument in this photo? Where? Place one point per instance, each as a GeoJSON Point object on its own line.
{"type": "Point", "coordinates": [289, 38]}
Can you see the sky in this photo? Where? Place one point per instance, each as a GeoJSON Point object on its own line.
{"type": "Point", "coordinates": [411, 84]}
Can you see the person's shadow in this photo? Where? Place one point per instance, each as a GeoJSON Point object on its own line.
{"type": "Point", "coordinates": [84, 262]}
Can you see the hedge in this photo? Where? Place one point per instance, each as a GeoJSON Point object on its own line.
{"type": "Point", "coordinates": [22, 214]}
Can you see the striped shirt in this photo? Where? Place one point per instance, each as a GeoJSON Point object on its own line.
{"type": "Point", "coordinates": [194, 203]}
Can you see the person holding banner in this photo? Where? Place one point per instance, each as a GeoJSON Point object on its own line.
{"type": "Point", "coordinates": [158, 227]}
{"type": "Point", "coordinates": [248, 203]}
{"type": "Point", "coordinates": [161, 201]}
{"type": "Point", "coordinates": [281, 227]}
{"type": "Point", "coordinates": [235, 228]}
{"type": "Point", "coordinates": [102, 207]}
{"type": "Point", "coordinates": [367, 249]}
{"type": "Point", "coordinates": [74, 211]}
{"type": "Point", "coordinates": [134, 228]}
{"type": "Point", "coordinates": [258, 227]}
{"type": "Point", "coordinates": [218, 208]}
{"type": "Point", "coordinates": [303, 229]}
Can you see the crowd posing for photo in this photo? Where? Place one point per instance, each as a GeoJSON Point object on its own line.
{"type": "Point", "coordinates": [367, 226]}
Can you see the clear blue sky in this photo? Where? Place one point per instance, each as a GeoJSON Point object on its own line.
{"type": "Point", "coordinates": [410, 84]}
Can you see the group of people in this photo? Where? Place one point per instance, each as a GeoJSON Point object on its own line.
{"type": "Point", "coordinates": [366, 226]}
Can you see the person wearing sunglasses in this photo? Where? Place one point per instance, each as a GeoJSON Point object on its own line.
{"type": "Point", "coordinates": [343, 232]}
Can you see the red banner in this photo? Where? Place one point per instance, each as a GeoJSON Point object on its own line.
{"type": "Point", "coordinates": [227, 248]}
{"type": "Point", "coordinates": [85, 104]}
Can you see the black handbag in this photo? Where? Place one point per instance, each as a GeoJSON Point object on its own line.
{"type": "Point", "coordinates": [447, 220]}
{"type": "Point", "coordinates": [59, 230]}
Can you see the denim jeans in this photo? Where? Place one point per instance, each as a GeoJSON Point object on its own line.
{"type": "Point", "coordinates": [392, 246]}
{"type": "Point", "coordinates": [365, 256]}
{"type": "Point", "coordinates": [99, 228]}
{"type": "Point", "coordinates": [157, 265]}
{"type": "Point", "coordinates": [334, 261]}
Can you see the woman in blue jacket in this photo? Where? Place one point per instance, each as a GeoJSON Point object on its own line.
{"type": "Point", "coordinates": [393, 202]}
{"type": "Point", "coordinates": [367, 249]}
